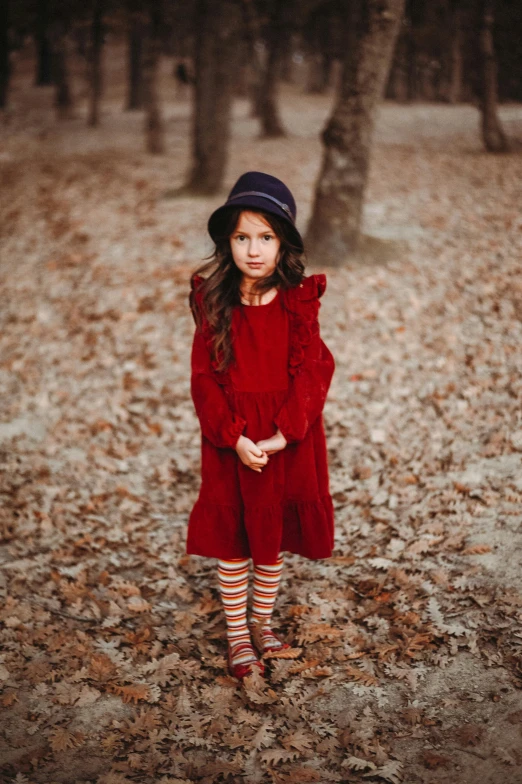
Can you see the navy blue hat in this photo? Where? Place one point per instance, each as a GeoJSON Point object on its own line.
{"type": "Point", "coordinates": [263, 192]}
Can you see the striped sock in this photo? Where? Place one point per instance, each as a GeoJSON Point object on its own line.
{"type": "Point", "coordinates": [266, 587]}
{"type": "Point", "coordinates": [233, 586]}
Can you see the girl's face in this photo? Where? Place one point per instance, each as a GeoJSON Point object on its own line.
{"type": "Point", "coordinates": [254, 246]}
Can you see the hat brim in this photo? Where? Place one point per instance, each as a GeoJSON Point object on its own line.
{"type": "Point", "coordinates": [215, 222]}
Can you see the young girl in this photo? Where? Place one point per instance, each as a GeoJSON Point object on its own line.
{"type": "Point", "coordinates": [260, 376]}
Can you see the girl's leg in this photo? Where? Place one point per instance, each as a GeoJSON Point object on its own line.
{"type": "Point", "coordinates": [233, 586]}
{"type": "Point", "coordinates": [266, 587]}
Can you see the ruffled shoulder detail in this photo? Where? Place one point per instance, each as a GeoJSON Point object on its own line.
{"type": "Point", "coordinates": [310, 288]}
{"type": "Point", "coordinates": [303, 306]}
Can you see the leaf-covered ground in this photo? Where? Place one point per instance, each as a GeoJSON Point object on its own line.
{"type": "Point", "coordinates": [407, 644]}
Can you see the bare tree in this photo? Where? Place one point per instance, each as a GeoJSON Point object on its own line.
{"type": "Point", "coordinates": [266, 69]}
{"type": "Point", "coordinates": [63, 100]}
{"type": "Point", "coordinates": [455, 70]}
{"type": "Point", "coordinates": [317, 32]}
{"type": "Point", "coordinates": [216, 23]}
{"type": "Point", "coordinates": [252, 28]}
{"type": "Point", "coordinates": [135, 27]}
{"type": "Point", "coordinates": [277, 32]}
{"type": "Point", "coordinates": [493, 134]}
{"type": "Point", "coordinates": [334, 228]}
{"type": "Point", "coordinates": [5, 65]}
{"type": "Point", "coordinates": [95, 51]}
{"type": "Point", "coordinates": [154, 125]}
{"type": "Point", "coordinates": [43, 45]}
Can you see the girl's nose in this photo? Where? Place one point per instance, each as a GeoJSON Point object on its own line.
{"type": "Point", "coordinates": [253, 248]}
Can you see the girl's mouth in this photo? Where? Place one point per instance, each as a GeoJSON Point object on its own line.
{"type": "Point", "coordinates": [255, 263]}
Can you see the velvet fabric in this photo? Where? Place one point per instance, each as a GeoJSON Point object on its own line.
{"type": "Point", "coordinates": [280, 377]}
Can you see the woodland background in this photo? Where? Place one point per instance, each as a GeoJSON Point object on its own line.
{"type": "Point", "coordinates": [407, 643]}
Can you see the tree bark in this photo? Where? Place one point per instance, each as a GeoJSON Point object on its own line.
{"type": "Point", "coordinates": [154, 125]}
{"type": "Point", "coordinates": [492, 132]}
{"type": "Point", "coordinates": [455, 76]}
{"type": "Point", "coordinates": [95, 52]}
{"type": "Point", "coordinates": [286, 62]}
{"type": "Point", "coordinates": [271, 125]}
{"type": "Point", "coordinates": [334, 229]}
{"type": "Point", "coordinates": [257, 66]}
{"type": "Point", "coordinates": [217, 22]}
{"type": "Point", "coordinates": [315, 82]}
{"type": "Point", "coordinates": [318, 34]}
{"type": "Point", "coordinates": [5, 65]}
{"type": "Point", "coordinates": [135, 60]}
{"type": "Point", "coordinates": [63, 101]}
{"type": "Point", "coordinates": [397, 88]}
{"type": "Point", "coordinates": [43, 45]}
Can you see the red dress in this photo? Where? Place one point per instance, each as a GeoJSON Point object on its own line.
{"type": "Point", "coordinates": [280, 379]}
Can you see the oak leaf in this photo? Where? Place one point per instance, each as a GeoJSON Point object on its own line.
{"type": "Point", "coordinates": [275, 756]}
{"type": "Point", "coordinates": [477, 549]}
{"type": "Point", "coordinates": [61, 739]}
{"type": "Point", "coordinates": [133, 693]}
{"type": "Point", "coordinates": [362, 677]}
{"type": "Point", "coordinates": [391, 772]}
{"type": "Point", "coordinates": [297, 740]}
{"type": "Point", "coordinates": [432, 761]}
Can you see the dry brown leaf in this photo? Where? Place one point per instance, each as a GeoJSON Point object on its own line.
{"type": "Point", "coordinates": [477, 549]}
{"type": "Point", "coordinates": [412, 715]}
{"type": "Point", "coordinates": [285, 653]}
{"type": "Point", "coordinates": [298, 739]}
{"type": "Point", "coordinates": [313, 632]}
{"type": "Point", "coordinates": [101, 668]}
{"type": "Point", "coordinates": [304, 665]}
{"type": "Point", "coordinates": [361, 677]}
{"type": "Point", "coordinates": [61, 739]}
{"type": "Point", "coordinates": [134, 693]}
{"type": "Point", "coordinates": [432, 760]}
{"type": "Point", "coordinates": [470, 734]}
{"type": "Point", "coordinates": [416, 644]}
{"type": "Point", "coordinates": [275, 756]}
{"type": "Point", "coordinates": [138, 605]}
{"type": "Point", "coordinates": [302, 774]}
{"type": "Point", "coordinates": [321, 671]}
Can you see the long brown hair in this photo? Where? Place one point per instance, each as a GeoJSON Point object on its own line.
{"type": "Point", "coordinates": [220, 289]}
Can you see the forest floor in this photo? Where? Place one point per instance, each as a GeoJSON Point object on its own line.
{"type": "Point", "coordinates": [408, 641]}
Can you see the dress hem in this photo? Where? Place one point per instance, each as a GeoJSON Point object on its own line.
{"type": "Point", "coordinates": [303, 527]}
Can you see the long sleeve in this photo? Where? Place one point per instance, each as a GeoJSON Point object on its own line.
{"type": "Point", "coordinates": [308, 389]}
{"type": "Point", "coordinates": [218, 423]}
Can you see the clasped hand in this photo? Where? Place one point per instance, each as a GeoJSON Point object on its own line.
{"type": "Point", "coordinates": [255, 455]}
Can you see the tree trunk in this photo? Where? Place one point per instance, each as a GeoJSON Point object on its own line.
{"type": "Point", "coordinates": [315, 83]}
{"type": "Point", "coordinates": [492, 132]}
{"type": "Point", "coordinates": [398, 85]}
{"type": "Point", "coordinates": [63, 101]}
{"type": "Point", "coordinates": [135, 60]}
{"type": "Point", "coordinates": [43, 45]}
{"type": "Point", "coordinates": [455, 76]}
{"type": "Point", "coordinates": [217, 23]}
{"type": "Point", "coordinates": [5, 65]}
{"type": "Point", "coordinates": [412, 66]}
{"type": "Point", "coordinates": [257, 65]}
{"type": "Point", "coordinates": [154, 125]}
{"type": "Point", "coordinates": [335, 225]}
{"type": "Point", "coordinates": [286, 68]}
{"type": "Point", "coordinates": [95, 51]}
{"type": "Point", "coordinates": [271, 125]}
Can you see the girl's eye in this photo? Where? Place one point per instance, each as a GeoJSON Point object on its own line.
{"type": "Point", "coordinates": [267, 237]}
{"type": "Point", "coordinates": [240, 237]}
